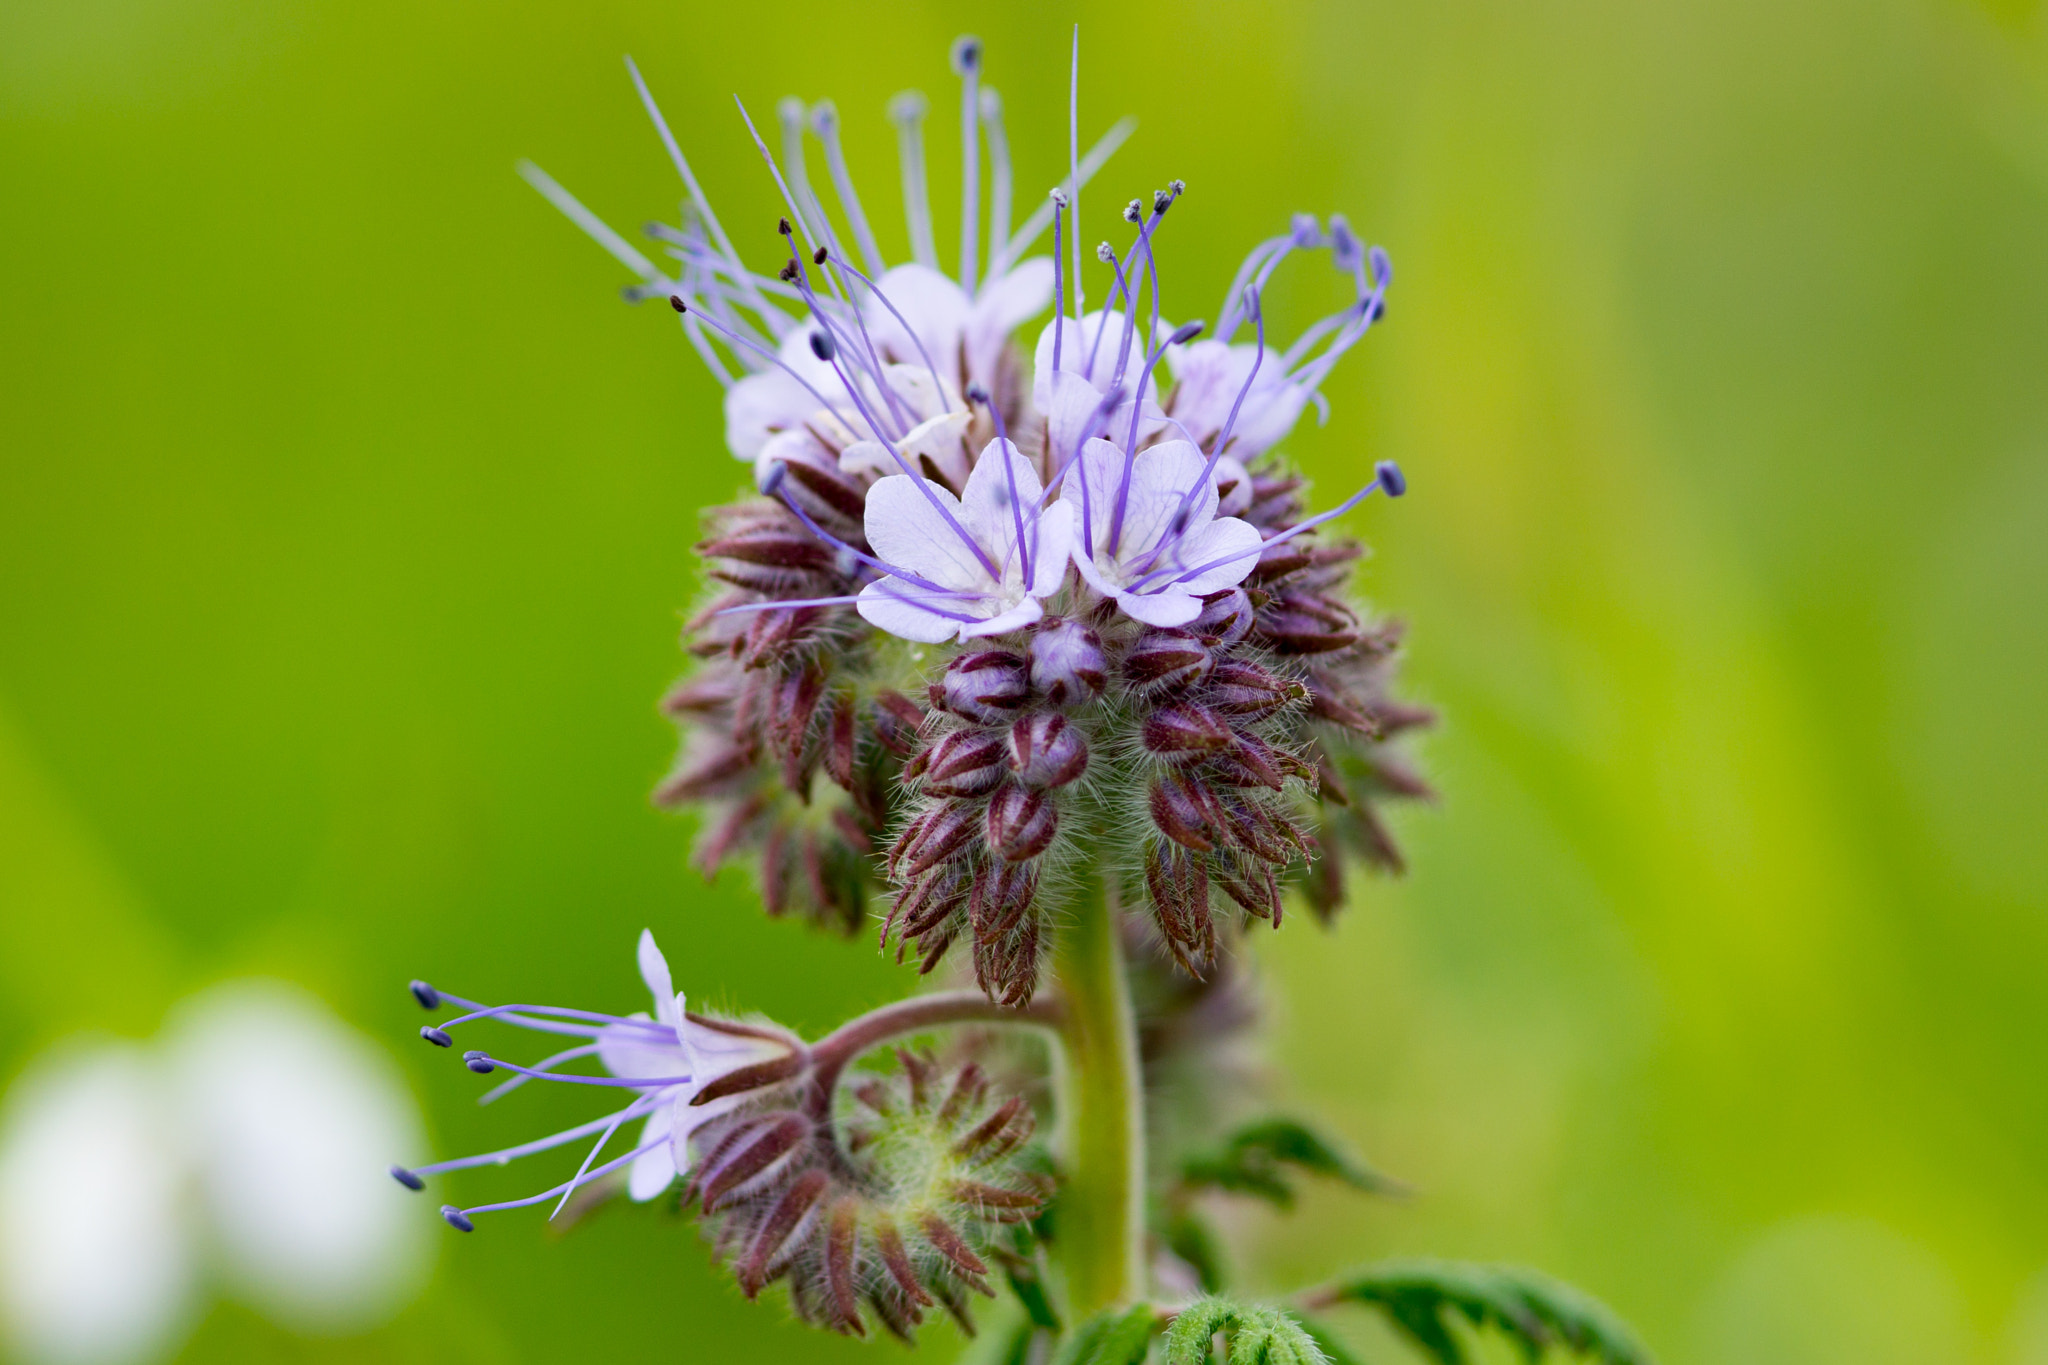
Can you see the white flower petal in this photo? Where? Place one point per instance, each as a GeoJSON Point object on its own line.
{"type": "Point", "coordinates": [96, 1263]}
{"type": "Point", "coordinates": [1159, 608]}
{"type": "Point", "coordinates": [652, 1171]}
{"type": "Point", "coordinates": [292, 1117]}
{"type": "Point", "coordinates": [989, 508]}
{"type": "Point", "coordinates": [934, 306]}
{"type": "Point", "coordinates": [1234, 542]}
{"type": "Point", "coordinates": [1233, 488]}
{"type": "Point", "coordinates": [1161, 478]}
{"type": "Point", "coordinates": [888, 604]}
{"type": "Point", "coordinates": [907, 531]}
{"type": "Point", "coordinates": [1051, 539]}
{"type": "Point", "coordinates": [654, 971]}
{"type": "Point", "coordinates": [640, 1053]}
{"type": "Point", "coordinates": [1016, 618]}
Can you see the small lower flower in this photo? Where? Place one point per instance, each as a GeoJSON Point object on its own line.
{"type": "Point", "coordinates": [682, 1070]}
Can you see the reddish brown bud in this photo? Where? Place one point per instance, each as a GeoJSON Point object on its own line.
{"type": "Point", "coordinates": [839, 741]}
{"type": "Point", "coordinates": [769, 1251]}
{"type": "Point", "coordinates": [791, 549]}
{"type": "Point", "coordinates": [896, 1259]}
{"type": "Point", "coordinates": [707, 692]}
{"type": "Point", "coordinates": [1185, 733]}
{"type": "Point", "coordinates": [752, 1158]}
{"type": "Point", "coordinates": [1251, 762]}
{"type": "Point", "coordinates": [773, 1071]}
{"type": "Point", "coordinates": [1185, 811]}
{"type": "Point", "coordinates": [996, 1203]}
{"type": "Point", "coordinates": [1021, 824]}
{"type": "Point", "coordinates": [1046, 751]}
{"type": "Point", "coordinates": [950, 1244]}
{"type": "Point", "coordinates": [1067, 664]}
{"type": "Point", "coordinates": [999, 1133]}
{"type": "Point", "coordinates": [987, 687]}
{"type": "Point", "coordinates": [704, 775]}
{"type": "Point", "coordinates": [1238, 688]}
{"type": "Point", "coordinates": [842, 1229]}
{"type": "Point", "coordinates": [964, 763]}
{"type": "Point", "coordinates": [1163, 660]}
{"type": "Point", "coordinates": [998, 900]}
{"type": "Point", "coordinates": [944, 832]}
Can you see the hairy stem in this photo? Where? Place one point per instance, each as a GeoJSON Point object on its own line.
{"type": "Point", "coordinates": [1100, 1242]}
{"type": "Point", "coordinates": [830, 1055]}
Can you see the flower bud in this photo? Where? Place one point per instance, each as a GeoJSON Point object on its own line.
{"type": "Point", "coordinates": [1185, 811]}
{"type": "Point", "coordinates": [1165, 660]}
{"type": "Point", "coordinates": [989, 686]}
{"type": "Point", "coordinates": [1067, 666]}
{"type": "Point", "coordinates": [1238, 688]}
{"type": "Point", "coordinates": [932, 838]}
{"type": "Point", "coordinates": [964, 763]}
{"type": "Point", "coordinates": [1226, 618]}
{"type": "Point", "coordinates": [1046, 751]}
{"type": "Point", "coordinates": [1020, 824]}
{"type": "Point", "coordinates": [1185, 733]}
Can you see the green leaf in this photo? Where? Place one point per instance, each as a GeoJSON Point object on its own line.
{"type": "Point", "coordinates": [1256, 1336]}
{"type": "Point", "coordinates": [1111, 1338]}
{"type": "Point", "coordinates": [1422, 1298]}
{"type": "Point", "coordinates": [1252, 1159]}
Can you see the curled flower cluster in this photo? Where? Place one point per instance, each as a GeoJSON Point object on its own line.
{"type": "Point", "coordinates": [1138, 656]}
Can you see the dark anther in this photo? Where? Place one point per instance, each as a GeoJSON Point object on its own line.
{"type": "Point", "coordinates": [782, 226]}
{"type": "Point", "coordinates": [438, 1037]}
{"type": "Point", "coordinates": [777, 472]}
{"type": "Point", "coordinates": [1059, 198]}
{"type": "Point", "coordinates": [1106, 254]}
{"type": "Point", "coordinates": [457, 1219]}
{"type": "Point", "coordinates": [1391, 478]}
{"type": "Point", "coordinates": [1133, 211]}
{"type": "Point", "coordinates": [1186, 332]}
{"type": "Point", "coordinates": [788, 273]}
{"type": "Point", "coordinates": [407, 1178]}
{"type": "Point", "coordinates": [675, 301]}
{"type": "Point", "coordinates": [818, 256]}
{"type": "Point", "coordinates": [966, 55]}
{"type": "Point", "coordinates": [822, 347]}
{"type": "Point", "coordinates": [977, 394]}
{"type": "Point", "coordinates": [429, 998]}
{"type": "Point", "coordinates": [478, 1062]}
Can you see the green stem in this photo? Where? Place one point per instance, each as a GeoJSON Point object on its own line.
{"type": "Point", "coordinates": [1101, 1234]}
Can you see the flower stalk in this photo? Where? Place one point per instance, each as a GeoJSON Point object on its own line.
{"type": "Point", "coordinates": [1100, 1242]}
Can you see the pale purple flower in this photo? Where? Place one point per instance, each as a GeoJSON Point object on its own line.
{"type": "Point", "coordinates": [967, 567]}
{"type": "Point", "coordinates": [905, 343]}
{"type": "Point", "coordinates": [1149, 534]}
{"type": "Point", "coordinates": [665, 1061]}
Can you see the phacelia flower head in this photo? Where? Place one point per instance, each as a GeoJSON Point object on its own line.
{"type": "Point", "coordinates": [677, 1069]}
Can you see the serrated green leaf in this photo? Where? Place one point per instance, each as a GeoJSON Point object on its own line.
{"type": "Point", "coordinates": [1422, 1298]}
{"type": "Point", "coordinates": [1255, 1336]}
{"type": "Point", "coordinates": [1111, 1338]}
{"type": "Point", "coordinates": [1251, 1161]}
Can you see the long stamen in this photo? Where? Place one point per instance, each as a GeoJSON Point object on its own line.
{"type": "Point", "coordinates": [868, 363]}
{"type": "Point", "coordinates": [595, 227]}
{"type": "Point", "coordinates": [509, 1154]}
{"type": "Point", "coordinates": [1184, 333]}
{"type": "Point", "coordinates": [588, 1157]}
{"type": "Point", "coordinates": [1258, 358]}
{"type": "Point", "coordinates": [1059, 304]}
{"type": "Point", "coordinates": [676, 302]}
{"type": "Point", "coordinates": [614, 1164]}
{"type": "Point", "coordinates": [1119, 289]}
{"type": "Point", "coordinates": [827, 350]}
{"type": "Point", "coordinates": [565, 1055]}
{"type": "Point", "coordinates": [703, 205]}
{"type": "Point", "coordinates": [1074, 169]}
{"type": "Point", "coordinates": [908, 110]}
{"type": "Point", "coordinates": [825, 123]}
{"type": "Point", "coordinates": [776, 485]}
{"type": "Point", "coordinates": [1096, 420]}
{"type": "Point", "coordinates": [811, 243]}
{"type": "Point", "coordinates": [1041, 217]}
{"type": "Point", "coordinates": [483, 1063]}
{"type": "Point", "coordinates": [1387, 475]}
{"type": "Point", "coordinates": [998, 179]}
{"type": "Point", "coordinates": [515, 1014]}
{"type": "Point", "coordinates": [967, 63]}
{"type": "Point", "coordinates": [791, 113]}
{"type": "Point", "coordinates": [883, 298]}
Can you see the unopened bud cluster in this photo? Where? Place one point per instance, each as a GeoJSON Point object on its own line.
{"type": "Point", "coordinates": [896, 1217]}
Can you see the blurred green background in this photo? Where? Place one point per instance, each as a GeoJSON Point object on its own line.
{"type": "Point", "coordinates": [345, 520]}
